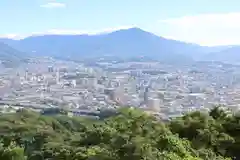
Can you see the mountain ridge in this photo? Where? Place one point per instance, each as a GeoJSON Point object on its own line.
{"type": "Point", "coordinates": [130, 42]}
{"type": "Point", "coordinates": [9, 56]}
{"type": "Point", "coordinates": [228, 55]}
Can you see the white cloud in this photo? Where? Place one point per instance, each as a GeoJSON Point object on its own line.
{"type": "Point", "coordinates": [53, 5]}
{"type": "Point", "coordinates": [205, 29]}
{"type": "Point", "coordinates": [12, 36]}
{"type": "Point", "coordinates": [65, 32]}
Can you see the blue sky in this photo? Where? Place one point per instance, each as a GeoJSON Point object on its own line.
{"type": "Point", "coordinates": [206, 22]}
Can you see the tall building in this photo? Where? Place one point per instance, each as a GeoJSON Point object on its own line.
{"type": "Point", "coordinates": [74, 83]}
{"type": "Point", "coordinates": [50, 69]}
{"type": "Point", "coordinates": [57, 77]}
{"type": "Point", "coordinates": [145, 95]}
{"type": "Point", "coordinates": [153, 104]}
{"type": "Point", "coordinates": [26, 75]}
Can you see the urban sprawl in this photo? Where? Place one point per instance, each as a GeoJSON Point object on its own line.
{"type": "Point", "coordinates": [159, 88]}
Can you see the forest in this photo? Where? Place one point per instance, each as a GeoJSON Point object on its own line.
{"type": "Point", "coordinates": [129, 135]}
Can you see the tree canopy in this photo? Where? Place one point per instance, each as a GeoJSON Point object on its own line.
{"type": "Point", "coordinates": [129, 135]}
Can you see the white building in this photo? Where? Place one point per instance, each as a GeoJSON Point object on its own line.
{"type": "Point", "coordinates": [153, 104]}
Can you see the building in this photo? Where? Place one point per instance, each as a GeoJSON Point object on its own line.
{"type": "Point", "coordinates": [153, 104]}
{"type": "Point", "coordinates": [74, 83]}
{"type": "Point", "coordinates": [26, 75]}
{"type": "Point", "coordinates": [111, 93]}
{"type": "Point", "coordinates": [57, 77]}
{"type": "Point", "coordinates": [50, 69]}
{"type": "Point", "coordinates": [146, 94]}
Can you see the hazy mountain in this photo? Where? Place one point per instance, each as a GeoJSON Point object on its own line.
{"type": "Point", "coordinates": [129, 42]}
{"type": "Point", "coordinates": [124, 43]}
{"type": "Point", "coordinates": [9, 56]}
{"type": "Point", "coordinates": [229, 55]}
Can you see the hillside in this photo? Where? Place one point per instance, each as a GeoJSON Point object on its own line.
{"type": "Point", "coordinates": [124, 43]}
{"type": "Point", "coordinates": [131, 134]}
{"type": "Point", "coordinates": [230, 55]}
{"type": "Point", "coordinates": [9, 56]}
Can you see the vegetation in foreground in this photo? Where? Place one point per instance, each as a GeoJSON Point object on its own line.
{"type": "Point", "coordinates": [130, 135]}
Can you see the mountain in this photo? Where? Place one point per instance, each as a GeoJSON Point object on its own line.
{"type": "Point", "coordinates": [9, 56]}
{"type": "Point", "coordinates": [124, 43]}
{"type": "Point", "coordinates": [228, 55]}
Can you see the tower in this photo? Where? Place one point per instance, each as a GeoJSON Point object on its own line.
{"type": "Point", "coordinates": [57, 77]}
{"type": "Point", "coordinates": [73, 83]}
{"type": "Point", "coordinates": [145, 96]}
{"type": "Point", "coordinates": [50, 69]}
{"type": "Point", "coordinates": [26, 75]}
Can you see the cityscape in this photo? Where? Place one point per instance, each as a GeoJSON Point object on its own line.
{"type": "Point", "coordinates": [119, 80]}
{"type": "Point", "coordinates": [163, 89]}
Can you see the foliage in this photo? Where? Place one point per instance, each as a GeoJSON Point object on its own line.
{"type": "Point", "coordinates": [130, 134]}
{"type": "Point", "coordinates": [214, 133]}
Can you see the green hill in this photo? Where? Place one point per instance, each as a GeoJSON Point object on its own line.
{"type": "Point", "coordinates": [130, 135]}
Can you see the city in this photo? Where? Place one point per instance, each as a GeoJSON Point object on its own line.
{"type": "Point", "coordinates": [163, 89]}
{"type": "Point", "coordinates": [119, 80]}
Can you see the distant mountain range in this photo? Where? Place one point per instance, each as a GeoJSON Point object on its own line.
{"type": "Point", "coordinates": [123, 43]}
{"type": "Point", "coordinates": [9, 56]}
{"type": "Point", "coordinates": [228, 55]}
